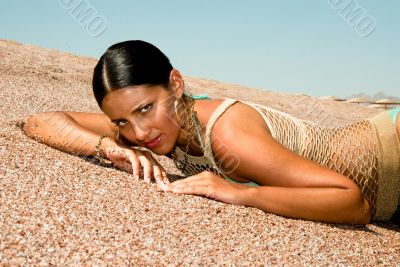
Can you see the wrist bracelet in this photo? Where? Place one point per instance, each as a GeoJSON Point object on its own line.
{"type": "Point", "coordinates": [98, 156]}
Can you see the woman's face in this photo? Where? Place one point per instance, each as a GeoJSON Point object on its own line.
{"type": "Point", "coordinates": [145, 116]}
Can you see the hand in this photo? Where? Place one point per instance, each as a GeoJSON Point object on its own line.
{"type": "Point", "coordinates": [131, 160]}
{"type": "Point", "coordinates": [210, 185]}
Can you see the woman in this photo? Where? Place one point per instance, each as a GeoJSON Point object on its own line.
{"type": "Point", "coordinates": [233, 151]}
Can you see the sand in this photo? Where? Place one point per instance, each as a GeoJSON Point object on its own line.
{"type": "Point", "coordinates": [60, 209]}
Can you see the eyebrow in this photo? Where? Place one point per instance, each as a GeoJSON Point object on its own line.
{"type": "Point", "coordinates": [133, 111]}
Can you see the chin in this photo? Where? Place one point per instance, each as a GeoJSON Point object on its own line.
{"type": "Point", "coordinates": [162, 150]}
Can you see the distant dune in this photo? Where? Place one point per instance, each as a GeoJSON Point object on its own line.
{"type": "Point", "coordinates": [375, 97]}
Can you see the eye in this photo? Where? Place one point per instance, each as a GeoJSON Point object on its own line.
{"type": "Point", "coordinates": [146, 108]}
{"type": "Point", "coordinates": [120, 123]}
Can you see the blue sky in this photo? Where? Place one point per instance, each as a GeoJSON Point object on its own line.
{"type": "Point", "coordinates": [284, 46]}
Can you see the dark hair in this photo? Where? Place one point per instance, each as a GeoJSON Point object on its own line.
{"type": "Point", "coordinates": [130, 63]}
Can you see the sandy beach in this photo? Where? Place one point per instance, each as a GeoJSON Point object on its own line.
{"type": "Point", "coordinates": [60, 209]}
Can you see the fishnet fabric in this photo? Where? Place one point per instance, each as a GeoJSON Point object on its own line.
{"type": "Point", "coordinates": [196, 165]}
{"type": "Point", "coordinates": [350, 150]}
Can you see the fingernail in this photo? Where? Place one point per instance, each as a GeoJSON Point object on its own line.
{"type": "Point", "coordinates": [164, 187]}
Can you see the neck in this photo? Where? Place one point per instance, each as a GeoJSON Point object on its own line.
{"type": "Point", "coordinates": [185, 136]}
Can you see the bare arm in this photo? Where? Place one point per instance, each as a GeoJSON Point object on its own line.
{"type": "Point", "coordinates": [64, 130]}
{"type": "Point", "coordinates": [333, 205]}
{"type": "Point", "coordinates": [78, 133]}
{"type": "Point", "coordinates": [292, 185]}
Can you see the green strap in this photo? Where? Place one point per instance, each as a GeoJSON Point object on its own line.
{"type": "Point", "coordinates": [393, 114]}
{"type": "Point", "coordinates": [248, 183]}
{"type": "Point", "coordinates": [202, 96]}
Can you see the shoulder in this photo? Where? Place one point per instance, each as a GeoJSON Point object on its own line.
{"type": "Point", "coordinates": [230, 135]}
{"type": "Point", "coordinates": [238, 116]}
{"type": "Point", "coordinates": [243, 148]}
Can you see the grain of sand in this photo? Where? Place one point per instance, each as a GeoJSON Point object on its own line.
{"type": "Point", "coordinates": [60, 209]}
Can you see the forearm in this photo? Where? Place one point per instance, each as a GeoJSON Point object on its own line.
{"type": "Point", "coordinates": [320, 204]}
{"type": "Point", "coordinates": [60, 131]}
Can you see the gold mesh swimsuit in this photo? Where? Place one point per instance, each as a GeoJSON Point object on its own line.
{"type": "Point", "coordinates": [368, 152]}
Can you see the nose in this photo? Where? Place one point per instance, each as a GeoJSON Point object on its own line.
{"type": "Point", "coordinates": [142, 133]}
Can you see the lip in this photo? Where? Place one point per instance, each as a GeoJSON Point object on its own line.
{"type": "Point", "coordinates": [156, 141]}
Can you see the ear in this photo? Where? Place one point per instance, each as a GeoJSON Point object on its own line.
{"type": "Point", "coordinates": [177, 83]}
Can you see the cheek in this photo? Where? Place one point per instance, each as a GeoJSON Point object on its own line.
{"type": "Point", "coordinates": [167, 110]}
{"type": "Point", "coordinates": [127, 137]}
{"type": "Point", "coordinates": [167, 115]}
{"type": "Point", "coordinates": [167, 123]}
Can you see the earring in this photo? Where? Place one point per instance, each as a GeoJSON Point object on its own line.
{"type": "Point", "coordinates": [182, 125]}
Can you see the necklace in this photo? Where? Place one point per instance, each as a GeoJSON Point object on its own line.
{"type": "Point", "coordinates": [191, 118]}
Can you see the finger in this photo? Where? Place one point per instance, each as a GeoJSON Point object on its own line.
{"type": "Point", "coordinates": [147, 166]}
{"type": "Point", "coordinates": [161, 172]}
{"type": "Point", "coordinates": [165, 177]}
{"type": "Point", "coordinates": [189, 183]}
{"type": "Point", "coordinates": [176, 188]}
{"type": "Point", "coordinates": [132, 157]}
{"type": "Point", "coordinates": [200, 190]}
{"type": "Point", "coordinates": [157, 174]}
{"type": "Point", "coordinates": [156, 167]}
{"type": "Point", "coordinates": [189, 179]}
